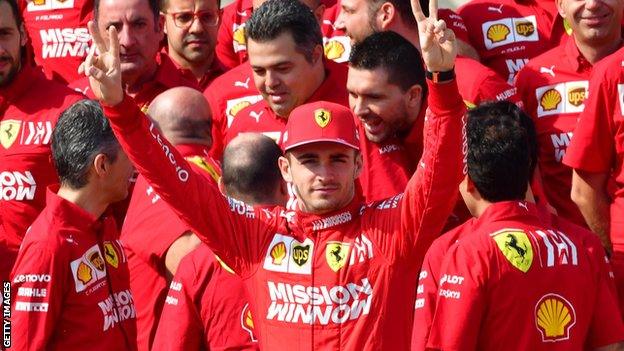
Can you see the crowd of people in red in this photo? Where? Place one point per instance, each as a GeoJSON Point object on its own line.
{"type": "Point", "coordinates": [312, 175]}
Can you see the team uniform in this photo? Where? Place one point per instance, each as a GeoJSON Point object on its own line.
{"type": "Point", "coordinates": [318, 281]}
{"type": "Point", "coordinates": [29, 109]}
{"type": "Point", "coordinates": [148, 231]}
{"type": "Point", "coordinates": [59, 36]}
{"type": "Point", "coordinates": [215, 71]}
{"type": "Point", "coordinates": [206, 308]}
{"type": "Point", "coordinates": [507, 33]}
{"type": "Point", "coordinates": [553, 87]}
{"type": "Point", "coordinates": [227, 96]}
{"type": "Point", "coordinates": [513, 283]}
{"type": "Point", "coordinates": [598, 146]}
{"type": "Point", "coordinates": [70, 284]}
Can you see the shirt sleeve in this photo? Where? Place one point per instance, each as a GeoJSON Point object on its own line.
{"type": "Point", "coordinates": [424, 308]}
{"type": "Point", "coordinates": [460, 302]}
{"type": "Point", "coordinates": [224, 48]}
{"type": "Point", "coordinates": [38, 280]}
{"type": "Point", "coordinates": [233, 230]}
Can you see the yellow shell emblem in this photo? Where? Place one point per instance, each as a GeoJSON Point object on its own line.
{"type": "Point", "coordinates": [234, 110]}
{"type": "Point", "coordinates": [336, 254]}
{"type": "Point", "coordinates": [39, 2]}
{"type": "Point", "coordinates": [84, 273]}
{"type": "Point", "coordinates": [239, 36]}
{"type": "Point", "coordinates": [516, 247]}
{"type": "Point", "coordinates": [9, 130]}
{"type": "Point", "coordinates": [111, 255]}
{"type": "Point", "coordinates": [498, 32]}
{"type": "Point", "coordinates": [577, 96]}
{"type": "Point", "coordinates": [469, 105]}
{"type": "Point", "coordinates": [525, 28]}
{"type": "Point", "coordinates": [554, 316]}
{"type": "Point", "coordinates": [550, 100]}
{"type": "Point", "coordinates": [278, 253]}
{"type": "Point", "coordinates": [322, 117]}
{"type": "Point", "coordinates": [334, 49]}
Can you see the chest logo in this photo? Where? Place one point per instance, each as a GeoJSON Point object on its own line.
{"type": "Point", "coordinates": [525, 28]}
{"type": "Point", "coordinates": [498, 33]}
{"type": "Point", "coordinates": [288, 255]}
{"type": "Point", "coordinates": [336, 254]}
{"type": "Point", "coordinates": [334, 49]}
{"type": "Point", "coordinates": [111, 255]}
{"type": "Point", "coordinates": [554, 317]}
{"type": "Point", "coordinates": [278, 253]}
{"type": "Point", "coordinates": [576, 96]}
{"type": "Point", "coordinates": [97, 261]}
{"type": "Point", "coordinates": [516, 247]}
{"type": "Point", "coordinates": [84, 273]}
{"type": "Point", "coordinates": [550, 100]}
{"type": "Point", "coordinates": [9, 131]}
{"type": "Point", "coordinates": [301, 254]}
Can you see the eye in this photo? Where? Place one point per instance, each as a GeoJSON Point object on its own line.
{"type": "Point", "coordinates": [184, 17]}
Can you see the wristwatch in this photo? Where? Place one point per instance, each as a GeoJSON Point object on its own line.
{"type": "Point", "coordinates": [440, 77]}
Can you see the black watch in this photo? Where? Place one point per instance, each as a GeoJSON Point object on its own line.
{"type": "Point", "coordinates": [440, 77]}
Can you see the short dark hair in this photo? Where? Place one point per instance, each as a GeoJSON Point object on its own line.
{"type": "Point", "coordinates": [153, 4]}
{"type": "Point", "coordinates": [16, 12]}
{"type": "Point", "coordinates": [403, 8]}
{"type": "Point", "coordinates": [502, 150]}
{"type": "Point", "coordinates": [82, 132]}
{"type": "Point", "coordinates": [250, 168]}
{"type": "Point", "coordinates": [275, 17]}
{"type": "Point", "coordinates": [397, 56]}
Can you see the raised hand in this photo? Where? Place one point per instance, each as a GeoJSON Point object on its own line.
{"type": "Point", "coordinates": [437, 43]}
{"type": "Point", "coordinates": [104, 68]}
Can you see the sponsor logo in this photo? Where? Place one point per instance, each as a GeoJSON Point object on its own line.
{"type": "Point", "coordinates": [288, 255]}
{"type": "Point", "coordinates": [560, 250]}
{"type": "Point", "coordinates": [9, 130]}
{"type": "Point", "coordinates": [234, 106]}
{"type": "Point", "coordinates": [514, 66]}
{"type": "Point", "coordinates": [32, 278]}
{"type": "Point", "coordinates": [337, 48]}
{"type": "Point", "coordinates": [96, 260]}
{"type": "Point", "coordinates": [84, 273]}
{"type": "Point", "coordinates": [110, 253]}
{"type": "Point", "coordinates": [548, 70]}
{"type": "Point", "coordinates": [362, 250]}
{"type": "Point", "coordinates": [204, 165]}
{"type": "Point", "coordinates": [509, 30]}
{"type": "Point", "coordinates": [516, 247]}
{"type": "Point", "coordinates": [551, 102]}
{"type": "Point", "coordinates": [392, 202]}
{"type": "Point", "coordinates": [43, 5]}
{"type": "Point", "coordinates": [240, 208]}
{"type": "Point", "coordinates": [560, 143]}
{"type": "Point", "coordinates": [336, 254]}
{"type": "Point", "coordinates": [247, 322]}
{"type": "Point", "coordinates": [525, 28]}
{"type": "Point", "coordinates": [182, 173]}
{"type": "Point", "coordinates": [554, 317]}
{"type": "Point", "coordinates": [576, 96]}
{"type": "Point", "coordinates": [498, 32]}
{"type": "Point", "coordinates": [88, 269]}
{"type": "Point", "coordinates": [119, 310]}
{"type": "Point", "coordinates": [319, 304]}
{"type": "Point", "coordinates": [238, 37]}
{"type": "Point", "coordinates": [322, 117]}
{"type": "Point", "coordinates": [31, 292]}
{"type": "Point", "coordinates": [31, 306]}
{"type": "Point", "coordinates": [64, 42]}
{"type": "Point", "coordinates": [17, 186]}
{"type": "Point", "coordinates": [332, 221]}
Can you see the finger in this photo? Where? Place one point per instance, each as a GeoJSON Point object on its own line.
{"type": "Point", "coordinates": [96, 73]}
{"type": "Point", "coordinates": [97, 37]}
{"type": "Point", "coordinates": [433, 10]}
{"type": "Point", "coordinates": [418, 12]}
{"type": "Point", "coordinates": [439, 26]}
{"type": "Point", "coordinates": [113, 41]}
{"type": "Point", "coordinates": [89, 60]}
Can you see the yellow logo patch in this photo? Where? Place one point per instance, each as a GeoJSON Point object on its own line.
{"type": "Point", "coordinates": [336, 254]}
{"type": "Point", "coordinates": [554, 317]}
{"type": "Point", "coordinates": [516, 247]}
{"type": "Point", "coordinates": [550, 100]}
{"type": "Point", "coordinates": [576, 96]}
{"type": "Point", "coordinates": [9, 131]}
{"type": "Point", "coordinates": [84, 273]}
{"type": "Point", "coordinates": [278, 253]}
{"type": "Point", "coordinates": [239, 36]}
{"type": "Point", "coordinates": [111, 255]}
{"type": "Point", "coordinates": [334, 49]}
{"type": "Point", "coordinates": [322, 117]}
{"type": "Point", "coordinates": [201, 163]}
{"type": "Point", "coordinates": [498, 33]}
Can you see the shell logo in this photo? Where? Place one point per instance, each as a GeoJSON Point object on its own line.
{"type": "Point", "coordinates": [525, 28]}
{"type": "Point", "coordinates": [577, 96]}
{"type": "Point", "coordinates": [278, 253]}
{"type": "Point", "coordinates": [550, 100]}
{"type": "Point", "coordinates": [247, 322]}
{"type": "Point", "coordinates": [498, 32]}
{"type": "Point", "coordinates": [238, 108]}
{"type": "Point", "coordinates": [554, 317]}
{"type": "Point", "coordinates": [334, 49]}
{"type": "Point", "coordinates": [39, 2]}
{"type": "Point", "coordinates": [84, 273]}
{"type": "Point", "coordinates": [239, 36]}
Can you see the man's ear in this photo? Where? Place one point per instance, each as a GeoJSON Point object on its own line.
{"type": "Point", "coordinates": [100, 166]}
{"type": "Point", "coordinates": [284, 166]}
{"type": "Point", "coordinates": [414, 97]}
{"type": "Point", "coordinates": [317, 53]}
{"type": "Point", "coordinates": [359, 164]}
{"type": "Point", "coordinates": [386, 15]}
{"type": "Point", "coordinates": [163, 20]}
{"type": "Point", "coordinates": [559, 4]}
{"type": "Point", "coordinates": [23, 35]}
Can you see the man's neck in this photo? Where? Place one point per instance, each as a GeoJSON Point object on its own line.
{"type": "Point", "coordinates": [594, 53]}
{"type": "Point", "coordinates": [410, 34]}
{"type": "Point", "coordinates": [199, 69]}
{"type": "Point", "coordinates": [87, 198]}
{"type": "Point", "coordinates": [133, 87]}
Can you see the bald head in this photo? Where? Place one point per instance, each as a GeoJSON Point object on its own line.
{"type": "Point", "coordinates": [183, 116]}
{"type": "Point", "coordinates": [250, 172]}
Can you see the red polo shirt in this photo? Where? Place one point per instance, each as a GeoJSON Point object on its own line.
{"type": "Point", "coordinates": [216, 69]}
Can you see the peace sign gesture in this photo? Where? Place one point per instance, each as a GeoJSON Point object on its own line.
{"type": "Point", "coordinates": [104, 68]}
{"type": "Point", "coordinates": [437, 43]}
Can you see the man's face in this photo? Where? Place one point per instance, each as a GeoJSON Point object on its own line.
{"type": "Point", "coordinates": [593, 21]}
{"type": "Point", "coordinates": [12, 39]}
{"type": "Point", "coordinates": [356, 20]}
{"type": "Point", "coordinates": [323, 175]}
{"type": "Point", "coordinates": [195, 41]}
{"type": "Point", "coordinates": [380, 106]}
{"type": "Point", "coordinates": [139, 35]}
{"type": "Point", "coordinates": [282, 74]}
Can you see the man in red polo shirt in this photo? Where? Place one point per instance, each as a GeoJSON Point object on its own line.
{"type": "Point", "coordinates": [154, 238]}
{"type": "Point", "coordinates": [59, 35]}
{"type": "Point", "coordinates": [206, 306]}
{"type": "Point", "coordinates": [71, 282]}
{"type": "Point", "coordinates": [191, 29]}
{"type": "Point", "coordinates": [553, 87]}
{"type": "Point", "coordinates": [507, 33]}
{"type": "Point", "coordinates": [29, 108]}
{"type": "Point", "coordinates": [288, 69]}
{"type": "Point", "coordinates": [597, 157]}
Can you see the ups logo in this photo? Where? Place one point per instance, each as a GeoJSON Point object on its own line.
{"type": "Point", "coordinates": [577, 96]}
{"type": "Point", "coordinates": [301, 254]}
{"type": "Point", "coordinates": [525, 28]}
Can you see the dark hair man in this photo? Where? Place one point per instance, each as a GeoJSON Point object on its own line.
{"type": "Point", "coordinates": [205, 287]}
{"type": "Point", "coordinates": [29, 108]}
{"type": "Point", "coordinates": [154, 237]}
{"type": "Point", "coordinates": [71, 276]}
{"type": "Point", "coordinates": [513, 272]}
{"type": "Point", "coordinates": [331, 243]}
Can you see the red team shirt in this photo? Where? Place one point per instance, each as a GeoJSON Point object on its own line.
{"type": "Point", "coordinates": [148, 231]}
{"type": "Point", "coordinates": [59, 36]}
{"type": "Point", "coordinates": [70, 284]}
{"type": "Point", "coordinates": [29, 109]}
{"type": "Point", "coordinates": [553, 87]}
{"type": "Point", "coordinates": [206, 309]}
{"type": "Point", "coordinates": [318, 281]}
{"type": "Point", "coordinates": [513, 283]}
{"type": "Point", "coordinates": [507, 33]}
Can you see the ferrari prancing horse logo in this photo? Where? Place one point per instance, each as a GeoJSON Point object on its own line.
{"type": "Point", "coordinates": [322, 117]}
{"type": "Point", "coordinates": [9, 131]}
